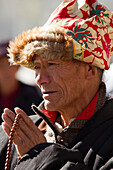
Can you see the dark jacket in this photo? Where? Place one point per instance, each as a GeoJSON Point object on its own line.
{"type": "Point", "coordinates": [91, 149]}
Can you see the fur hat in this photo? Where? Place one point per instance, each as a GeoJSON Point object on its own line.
{"type": "Point", "coordinates": [77, 29]}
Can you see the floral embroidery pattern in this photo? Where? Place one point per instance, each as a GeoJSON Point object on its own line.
{"type": "Point", "coordinates": [90, 27]}
{"type": "Point", "coordinates": [99, 12]}
{"type": "Point", "coordinates": [81, 35]}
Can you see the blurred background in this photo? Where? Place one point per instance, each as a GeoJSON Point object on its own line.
{"type": "Point", "coordinates": [17, 16]}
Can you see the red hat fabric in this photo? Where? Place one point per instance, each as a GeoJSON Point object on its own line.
{"type": "Point", "coordinates": [86, 23]}
{"type": "Point", "coordinates": [90, 25]}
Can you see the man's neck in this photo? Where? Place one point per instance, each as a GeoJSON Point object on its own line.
{"type": "Point", "coordinates": [73, 110]}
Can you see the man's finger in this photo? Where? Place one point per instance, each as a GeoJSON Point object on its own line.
{"type": "Point", "coordinates": [29, 128]}
{"type": "Point", "coordinates": [10, 113]}
{"type": "Point", "coordinates": [23, 130]}
{"type": "Point", "coordinates": [7, 120]}
{"type": "Point", "coordinates": [26, 119]}
{"type": "Point", "coordinates": [6, 128]}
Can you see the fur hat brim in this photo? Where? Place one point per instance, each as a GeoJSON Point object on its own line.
{"type": "Point", "coordinates": [47, 43]}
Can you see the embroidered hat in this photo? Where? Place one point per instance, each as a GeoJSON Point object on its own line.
{"type": "Point", "coordinates": [87, 24]}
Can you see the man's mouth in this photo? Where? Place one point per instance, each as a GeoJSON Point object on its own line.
{"type": "Point", "coordinates": [48, 92]}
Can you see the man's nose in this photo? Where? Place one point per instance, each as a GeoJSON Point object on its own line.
{"type": "Point", "coordinates": [42, 77]}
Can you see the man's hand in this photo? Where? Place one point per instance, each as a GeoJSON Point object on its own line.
{"type": "Point", "coordinates": [27, 135]}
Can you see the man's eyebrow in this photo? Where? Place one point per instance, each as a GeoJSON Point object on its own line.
{"type": "Point", "coordinates": [36, 62]}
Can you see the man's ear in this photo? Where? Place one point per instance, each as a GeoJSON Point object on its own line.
{"type": "Point", "coordinates": [91, 71]}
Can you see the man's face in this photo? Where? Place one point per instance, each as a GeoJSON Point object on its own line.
{"type": "Point", "coordinates": [61, 82]}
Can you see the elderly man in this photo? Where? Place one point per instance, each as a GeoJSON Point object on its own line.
{"type": "Point", "coordinates": [68, 54]}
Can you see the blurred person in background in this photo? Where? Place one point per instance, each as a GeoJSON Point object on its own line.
{"type": "Point", "coordinates": [12, 91]}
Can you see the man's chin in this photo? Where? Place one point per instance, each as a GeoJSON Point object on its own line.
{"type": "Point", "coordinates": [48, 105]}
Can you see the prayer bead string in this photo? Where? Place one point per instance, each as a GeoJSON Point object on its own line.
{"type": "Point", "coordinates": [10, 142]}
